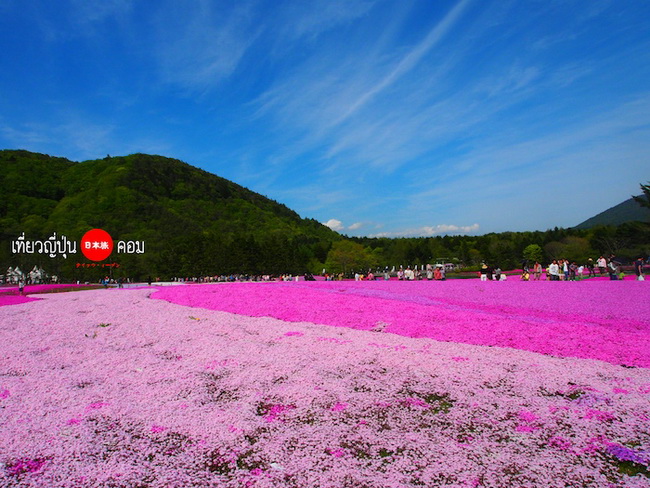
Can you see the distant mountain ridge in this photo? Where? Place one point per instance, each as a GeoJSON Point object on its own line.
{"type": "Point", "coordinates": [627, 211]}
{"type": "Point", "coordinates": [193, 222]}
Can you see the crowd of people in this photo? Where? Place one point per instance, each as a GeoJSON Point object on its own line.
{"type": "Point", "coordinates": [415, 273]}
{"type": "Point", "coordinates": [565, 270]}
{"type": "Point", "coordinates": [556, 270]}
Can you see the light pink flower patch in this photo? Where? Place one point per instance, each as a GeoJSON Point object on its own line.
{"type": "Point", "coordinates": [245, 409]}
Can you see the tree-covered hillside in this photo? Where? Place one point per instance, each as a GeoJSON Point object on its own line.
{"type": "Point", "coordinates": [193, 222]}
{"type": "Point", "coordinates": [627, 211]}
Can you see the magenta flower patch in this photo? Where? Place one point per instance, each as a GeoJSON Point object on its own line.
{"type": "Point", "coordinates": [597, 320]}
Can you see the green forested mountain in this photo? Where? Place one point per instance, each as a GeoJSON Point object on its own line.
{"type": "Point", "coordinates": [627, 211]}
{"type": "Point", "coordinates": [193, 222]}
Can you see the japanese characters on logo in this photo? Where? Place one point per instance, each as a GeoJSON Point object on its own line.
{"type": "Point", "coordinates": [97, 244]}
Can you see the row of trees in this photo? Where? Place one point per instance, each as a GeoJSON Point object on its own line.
{"type": "Point", "coordinates": [507, 250]}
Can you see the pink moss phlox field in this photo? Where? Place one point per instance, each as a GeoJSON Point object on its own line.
{"type": "Point", "coordinates": [9, 295]}
{"type": "Point", "coordinates": [14, 299]}
{"type": "Point", "coordinates": [108, 388]}
{"type": "Point", "coordinates": [602, 320]}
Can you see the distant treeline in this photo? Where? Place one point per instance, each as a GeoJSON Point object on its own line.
{"type": "Point", "coordinates": [509, 250]}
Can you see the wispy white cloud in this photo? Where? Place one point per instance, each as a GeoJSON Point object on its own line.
{"type": "Point", "coordinates": [87, 12]}
{"type": "Point", "coordinates": [355, 226]}
{"type": "Point", "coordinates": [311, 19]}
{"type": "Point", "coordinates": [197, 45]}
{"type": "Point", "coordinates": [77, 18]}
{"type": "Point", "coordinates": [78, 138]}
{"type": "Point", "coordinates": [430, 231]}
{"type": "Point", "coordinates": [434, 129]}
{"type": "Point", "coordinates": [320, 103]}
{"type": "Point", "coordinates": [200, 45]}
{"type": "Point", "coordinates": [539, 176]}
{"type": "Point", "coordinates": [24, 136]}
{"type": "Point", "coordinates": [410, 60]}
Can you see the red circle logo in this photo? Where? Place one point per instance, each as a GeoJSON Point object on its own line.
{"type": "Point", "coordinates": [96, 244]}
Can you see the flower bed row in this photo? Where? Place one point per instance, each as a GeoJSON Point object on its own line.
{"type": "Point", "coordinates": [601, 320]}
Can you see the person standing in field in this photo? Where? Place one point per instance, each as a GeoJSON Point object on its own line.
{"type": "Point", "coordinates": [537, 270]}
{"type": "Point", "coordinates": [602, 265]}
{"type": "Point", "coordinates": [565, 269]}
{"type": "Point", "coordinates": [590, 267]}
{"type": "Point", "coordinates": [638, 269]}
{"type": "Point", "coordinates": [554, 271]}
{"type": "Point", "coordinates": [409, 275]}
{"type": "Point", "coordinates": [436, 274]}
{"type": "Point", "coordinates": [484, 272]}
{"type": "Point", "coordinates": [612, 267]}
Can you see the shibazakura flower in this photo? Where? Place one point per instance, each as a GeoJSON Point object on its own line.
{"type": "Point", "coordinates": [584, 319]}
{"type": "Point", "coordinates": [159, 399]}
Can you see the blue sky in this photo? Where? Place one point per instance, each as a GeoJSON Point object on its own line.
{"type": "Point", "coordinates": [395, 118]}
